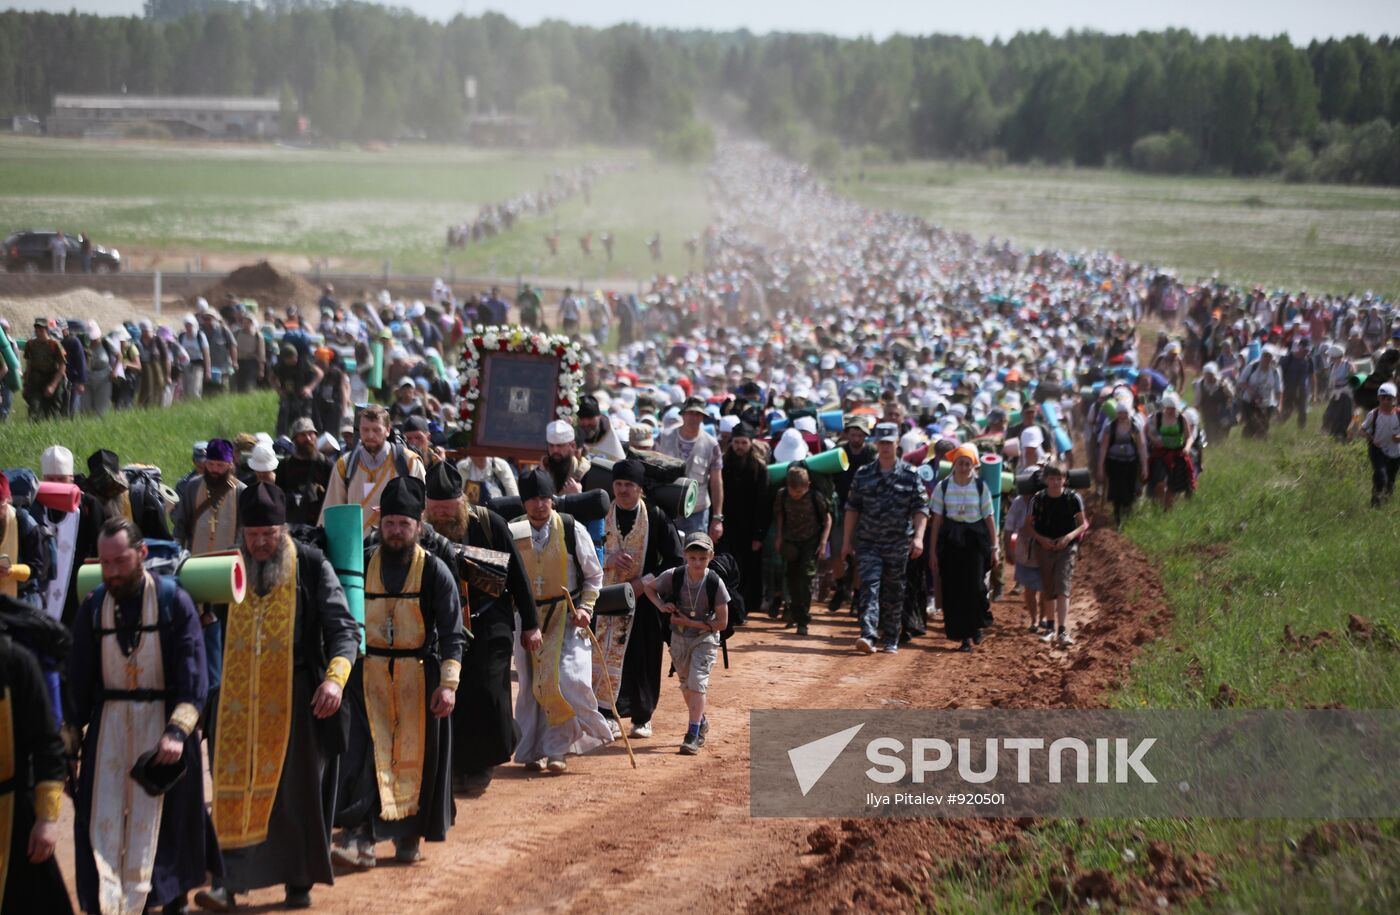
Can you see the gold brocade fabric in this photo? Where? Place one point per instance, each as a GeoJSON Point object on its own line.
{"type": "Point", "coordinates": [612, 631]}
{"type": "Point", "coordinates": [7, 771]}
{"type": "Point", "coordinates": [548, 570]}
{"type": "Point", "coordinates": [255, 708]}
{"type": "Point", "coordinates": [9, 546]}
{"type": "Point", "coordinates": [396, 688]}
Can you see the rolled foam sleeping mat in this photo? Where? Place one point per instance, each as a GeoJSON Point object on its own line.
{"type": "Point", "coordinates": [61, 497]}
{"type": "Point", "coordinates": [15, 379]}
{"type": "Point", "coordinates": [1051, 412]}
{"type": "Point", "coordinates": [779, 425]}
{"type": "Point", "coordinates": [1028, 481]}
{"type": "Point", "coordinates": [1008, 479]}
{"type": "Point", "coordinates": [833, 420]}
{"type": "Point", "coordinates": [991, 471]}
{"type": "Point", "coordinates": [615, 600]}
{"type": "Point", "coordinates": [215, 578]}
{"type": "Point", "coordinates": [1012, 419]}
{"type": "Point", "coordinates": [677, 499]}
{"type": "Point", "coordinates": [376, 372]}
{"type": "Point", "coordinates": [916, 456]}
{"type": "Point", "coordinates": [834, 460]}
{"type": "Point", "coordinates": [345, 548]}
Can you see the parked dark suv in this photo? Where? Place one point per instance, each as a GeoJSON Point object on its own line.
{"type": "Point", "coordinates": [27, 251]}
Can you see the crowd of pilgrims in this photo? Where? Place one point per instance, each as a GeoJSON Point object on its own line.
{"type": "Point", "coordinates": [822, 414]}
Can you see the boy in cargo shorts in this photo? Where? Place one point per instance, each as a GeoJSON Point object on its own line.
{"type": "Point", "coordinates": [698, 604]}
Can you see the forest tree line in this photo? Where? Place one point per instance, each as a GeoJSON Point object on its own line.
{"type": "Point", "coordinates": [1157, 101]}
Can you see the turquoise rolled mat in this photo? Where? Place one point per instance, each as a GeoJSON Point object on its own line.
{"type": "Point", "coordinates": [15, 379]}
{"type": "Point", "coordinates": [376, 373]}
{"type": "Point", "coordinates": [1008, 480]}
{"type": "Point", "coordinates": [992, 475]}
{"type": "Point", "coordinates": [778, 426]}
{"type": "Point", "coordinates": [345, 548]}
{"type": "Point", "coordinates": [833, 420]}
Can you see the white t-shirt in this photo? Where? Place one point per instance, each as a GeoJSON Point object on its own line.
{"type": "Point", "coordinates": [1380, 427]}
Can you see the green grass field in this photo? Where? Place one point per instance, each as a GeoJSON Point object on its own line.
{"type": "Point", "coordinates": [356, 206]}
{"type": "Point", "coordinates": [159, 437]}
{"type": "Point", "coordinates": [1276, 535]}
{"type": "Point", "coordinates": [1250, 230]}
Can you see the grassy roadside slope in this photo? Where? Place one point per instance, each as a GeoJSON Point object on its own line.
{"type": "Point", "coordinates": [1279, 535]}
{"type": "Point", "coordinates": [160, 437]}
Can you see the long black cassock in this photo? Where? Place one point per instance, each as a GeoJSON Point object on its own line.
{"type": "Point", "coordinates": [296, 847]}
{"type": "Point", "coordinates": [31, 753]}
{"type": "Point", "coordinates": [360, 802]}
{"type": "Point", "coordinates": [640, 689]}
{"type": "Point", "coordinates": [484, 733]}
{"type": "Point", "coordinates": [185, 848]}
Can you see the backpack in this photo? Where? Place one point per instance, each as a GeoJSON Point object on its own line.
{"type": "Point", "coordinates": [353, 463]}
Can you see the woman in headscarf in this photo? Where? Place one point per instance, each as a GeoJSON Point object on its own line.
{"type": "Point", "coordinates": [965, 547]}
{"type": "Point", "coordinates": [1122, 461]}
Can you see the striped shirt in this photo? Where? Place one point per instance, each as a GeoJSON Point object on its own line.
{"type": "Point", "coordinates": [961, 502]}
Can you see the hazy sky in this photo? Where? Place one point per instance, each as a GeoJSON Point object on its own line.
{"type": "Point", "coordinates": [1303, 20]}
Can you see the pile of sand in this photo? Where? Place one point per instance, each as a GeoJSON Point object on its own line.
{"type": "Point", "coordinates": [264, 283]}
{"type": "Point", "coordinates": [106, 309]}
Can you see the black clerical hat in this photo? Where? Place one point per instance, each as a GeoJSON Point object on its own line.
{"type": "Point", "coordinates": [262, 505]}
{"type": "Point", "coordinates": [402, 496]}
{"type": "Point", "coordinates": [630, 471]}
{"type": "Point", "coordinates": [536, 484]}
{"type": "Point", "coordinates": [156, 779]}
{"type": "Point", "coordinates": [444, 481]}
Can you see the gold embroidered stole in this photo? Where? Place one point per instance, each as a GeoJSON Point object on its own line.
{"type": "Point", "coordinates": [612, 631]}
{"type": "Point", "coordinates": [9, 546]}
{"type": "Point", "coordinates": [255, 708]}
{"type": "Point", "coordinates": [215, 528]}
{"type": "Point", "coordinates": [396, 688]}
{"type": "Point", "coordinates": [7, 771]}
{"type": "Point", "coordinates": [125, 820]}
{"type": "Point", "coordinates": [367, 485]}
{"type": "Point", "coordinates": [548, 570]}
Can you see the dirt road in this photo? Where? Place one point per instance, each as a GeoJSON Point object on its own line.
{"type": "Point", "coordinates": [676, 831]}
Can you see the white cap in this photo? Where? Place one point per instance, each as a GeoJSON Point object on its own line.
{"type": "Point", "coordinates": [327, 442]}
{"type": "Point", "coordinates": [1032, 437]}
{"type": "Point", "coordinates": [263, 458]}
{"type": "Point", "coordinates": [805, 424]}
{"type": "Point", "coordinates": [56, 461]}
{"type": "Point", "coordinates": [263, 438]}
{"type": "Point", "coordinates": [727, 423]}
{"type": "Point", "coordinates": [1386, 390]}
{"type": "Point", "coordinates": [559, 432]}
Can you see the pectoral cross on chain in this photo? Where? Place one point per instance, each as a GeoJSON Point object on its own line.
{"type": "Point", "coordinates": [539, 584]}
{"type": "Point", "coordinates": [389, 629]}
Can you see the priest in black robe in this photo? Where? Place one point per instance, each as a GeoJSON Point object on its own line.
{"type": "Point", "coordinates": [276, 829]}
{"type": "Point", "coordinates": [484, 733]}
{"type": "Point", "coordinates": [413, 648]}
{"type": "Point", "coordinates": [146, 612]}
{"type": "Point", "coordinates": [31, 754]}
{"type": "Point", "coordinates": [626, 558]}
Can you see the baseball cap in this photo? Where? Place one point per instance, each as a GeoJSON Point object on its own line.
{"type": "Point", "coordinates": [1386, 390]}
{"type": "Point", "coordinates": [886, 432]}
{"type": "Point", "coordinates": [699, 540]}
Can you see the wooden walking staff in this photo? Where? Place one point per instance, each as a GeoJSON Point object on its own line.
{"type": "Point", "coordinates": [606, 679]}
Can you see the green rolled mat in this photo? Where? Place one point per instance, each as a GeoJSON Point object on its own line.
{"type": "Point", "coordinates": [217, 578]}
{"type": "Point", "coordinates": [376, 373]}
{"type": "Point", "coordinates": [345, 548]}
{"type": "Point", "coordinates": [436, 360]}
{"type": "Point", "coordinates": [833, 461]}
{"type": "Point", "coordinates": [1012, 419]}
{"type": "Point", "coordinates": [15, 379]}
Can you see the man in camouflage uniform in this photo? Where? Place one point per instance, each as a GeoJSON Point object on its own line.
{"type": "Point", "coordinates": [884, 528]}
{"type": "Point", "coordinates": [45, 374]}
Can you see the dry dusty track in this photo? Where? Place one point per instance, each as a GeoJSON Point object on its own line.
{"type": "Point", "coordinates": [676, 831]}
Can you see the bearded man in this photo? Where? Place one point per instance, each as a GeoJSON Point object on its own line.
{"type": "Point", "coordinates": [291, 644]}
{"type": "Point", "coordinates": [640, 543]}
{"type": "Point", "coordinates": [750, 508]}
{"type": "Point", "coordinates": [304, 476]}
{"type": "Point", "coordinates": [566, 468]}
{"type": "Point", "coordinates": [136, 681]}
{"type": "Point", "coordinates": [483, 727]}
{"type": "Point", "coordinates": [401, 692]}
